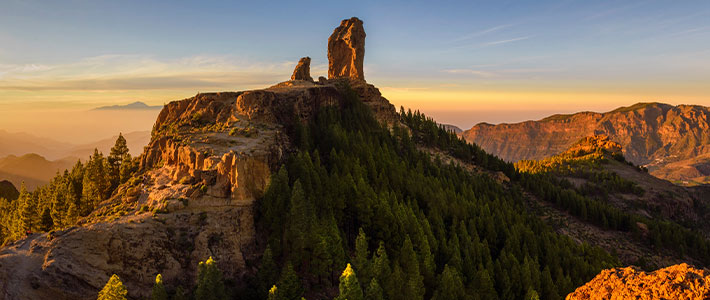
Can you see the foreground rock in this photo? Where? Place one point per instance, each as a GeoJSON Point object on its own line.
{"type": "Point", "coordinates": [303, 70]}
{"type": "Point", "coordinates": [346, 50]}
{"type": "Point", "coordinates": [678, 282]}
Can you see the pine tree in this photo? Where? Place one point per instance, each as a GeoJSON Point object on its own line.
{"type": "Point", "coordinates": [427, 266]}
{"type": "Point", "coordinates": [361, 260]}
{"type": "Point", "coordinates": [209, 282]}
{"type": "Point", "coordinates": [374, 291]}
{"type": "Point", "coordinates": [127, 168]}
{"type": "Point", "coordinates": [26, 210]}
{"type": "Point", "coordinates": [46, 223]}
{"type": "Point", "coordinates": [113, 290]}
{"type": "Point", "coordinates": [159, 292]}
{"type": "Point", "coordinates": [301, 219]}
{"type": "Point", "coordinates": [549, 290]}
{"type": "Point", "coordinates": [322, 262]}
{"type": "Point", "coordinates": [396, 284]}
{"type": "Point", "coordinates": [268, 272]}
{"type": "Point", "coordinates": [349, 286]}
{"type": "Point", "coordinates": [273, 293]}
{"type": "Point", "coordinates": [414, 286]}
{"type": "Point", "coordinates": [381, 267]}
{"type": "Point", "coordinates": [290, 287]}
{"type": "Point", "coordinates": [483, 285]}
{"type": "Point", "coordinates": [532, 295]}
{"type": "Point", "coordinates": [115, 159]}
{"type": "Point", "coordinates": [72, 214]}
{"type": "Point", "coordinates": [180, 294]}
{"type": "Point", "coordinates": [95, 184]}
{"type": "Point", "coordinates": [450, 285]}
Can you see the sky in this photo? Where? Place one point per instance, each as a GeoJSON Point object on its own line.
{"type": "Point", "coordinates": [462, 62]}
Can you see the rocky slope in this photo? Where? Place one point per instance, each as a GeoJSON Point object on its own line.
{"type": "Point", "coordinates": [679, 282]}
{"type": "Point", "coordinates": [209, 159]}
{"type": "Point", "coordinates": [672, 141]}
{"type": "Point", "coordinates": [595, 167]}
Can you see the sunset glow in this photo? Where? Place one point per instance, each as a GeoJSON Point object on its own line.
{"type": "Point", "coordinates": [480, 61]}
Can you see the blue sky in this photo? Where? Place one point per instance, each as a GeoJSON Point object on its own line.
{"type": "Point", "coordinates": [462, 62]}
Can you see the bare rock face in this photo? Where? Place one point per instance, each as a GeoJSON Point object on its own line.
{"type": "Point", "coordinates": [346, 50]}
{"type": "Point", "coordinates": [680, 282]}
{"type": "Point", "coordinates": [209, 160]}
{"type": "Point", "coordinates": [303, 70]}
{"type": "Point", "coordinates": [672, 141]}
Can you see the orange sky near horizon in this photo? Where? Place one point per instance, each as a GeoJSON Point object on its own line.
{"type": "Point", "coordinates": [65, 114]}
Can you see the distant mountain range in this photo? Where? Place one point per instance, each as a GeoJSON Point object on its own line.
{"type": "Point", "coordinates": [453, 128]}
{"type": "Point", "coordinates": [672, 141]}
{"type": "Point", "coordinates": [131, 106]}
{"type": "Point", "coordinates": [135, 140]}
{"type": "Point", "coordinates": [19, 144]}
{"type": "Point", "coordinates": [32, 169]}
{"type": "Point", "coordinates": [22, 143]}
{"type": "Point", "coordinates": [34, 160]}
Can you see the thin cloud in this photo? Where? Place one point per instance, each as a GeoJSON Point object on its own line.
{"type": "Point", "coordinates": [489, 44]}
{"type": "Point", "coordinates": [481, 32]}
{"type": "Point", "coordinates": [501, 42]}
{"type": "Point", "coordinates": [136, 72]}
{"type": "Point", "coordinates": [182, 81]}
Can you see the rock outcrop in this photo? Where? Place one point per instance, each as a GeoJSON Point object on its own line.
{"type": "Point", "coordinates": [672, 141]}
{"type": "Point", "coordinates": [346, 50]}
{"type": "Point", "coordinates": [595, 143]}
{"type": "Point", "coordinates": [209, 160]}
{"type": "Point", "coordinates": [303, 70]}
{"type": "Point", "coordinates": [678, 282]}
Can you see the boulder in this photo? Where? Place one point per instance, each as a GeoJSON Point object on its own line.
{"type": "Point", "coordinates": [303, 70]}
{"type": "Point", "coordinates": [674, 282]}
{"type": "Point", "coordinates": [346, 50]}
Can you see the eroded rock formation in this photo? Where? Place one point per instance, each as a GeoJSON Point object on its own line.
{"type": "Point", "coordinates": [678, 282]}
{"type": "Point", "coordinates": [303, 70]}
{"type": "Point", "coordinates": [210, 158]}
{"type": "Point", "coordinates": [346, 50]}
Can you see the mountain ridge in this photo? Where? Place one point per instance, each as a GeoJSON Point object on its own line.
{"type": "Point", "coordinates": [660, 136]}
{"type": "Point", "coordinates": [138, 105]}
{"type": "Point", "coordinates": [595, 168]}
